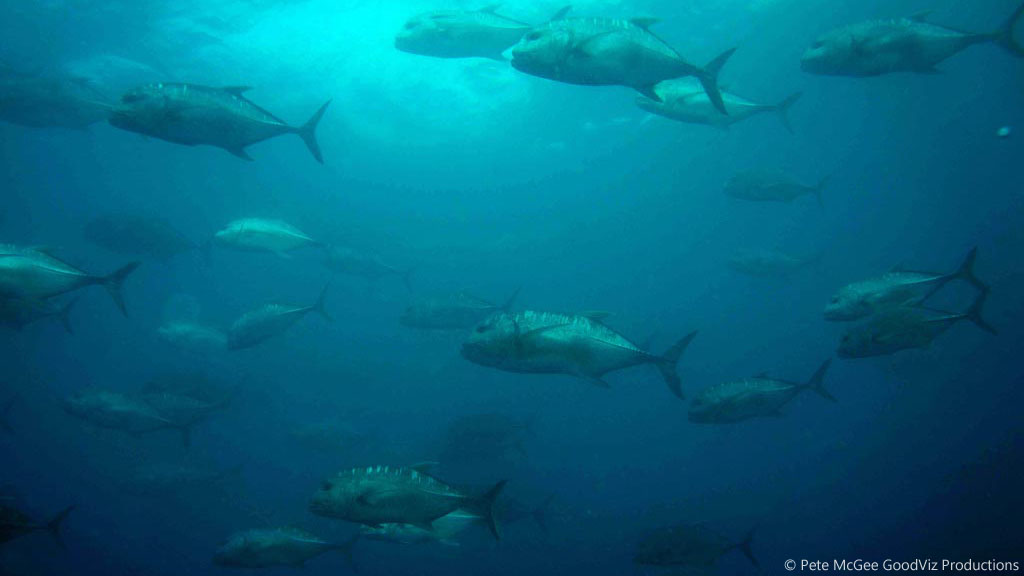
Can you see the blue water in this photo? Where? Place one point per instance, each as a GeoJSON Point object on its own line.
{"type": "Point", "coordinates": [486, 180]}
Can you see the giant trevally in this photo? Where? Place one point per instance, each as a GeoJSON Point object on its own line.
{"type": "Point", "coordinates": [264, 548]}
{"type": "Point", "coordinates": [263, 235]}
{"type": "Point", "coordinates": [35, 274]}
{"type": "Point", "coordinates": [688, 545]}
{"type": "Point", "coordinates": [609, 51]}
{"type": "Point", "coordinates": [14, 524]}
{"type": "Point", "coordinates": [453, 312]}
{"type": "Point", "coordinates": [766, 263]}
{"type": "Point", "coordinates": [904, 327]}
{"type": "Point", "coordinates": [899, 286]}
{"type": "Point", "coordinates": [444, 530]}
{"type": "Point", "coordinates": [194, 115]}
{"type": "Point", "coordinates": [552, 343]}
{"type": "Point", "coordinates": [182, 409]}
{"type": "Point", "coordinates": [50, 102]}
{"type": "Point", "coordinates": [684, 100]}
{"type": "Point", "coordinates": [19, 313]}
{"type": "Point", "coordinates": [117, 411]}
{"type": "Point", "coordinates": [771, 186]}
{"type": "Point", "coordinates": [387, 494]}
{"type": "Point", "coordinates": [348, 260]}
{"type": "Point", "coordinates": [137, 235]}
{"type": "Point", "coordinates": [910, 44]}
{"type": "Point", "coordinates": [193, 337]}
{"type": "Point", "coordinates": [460, 34]}
{"type": "Point", "coordinates": [269, 320]}
{"type": "Point", "coordinates": [755, 397]}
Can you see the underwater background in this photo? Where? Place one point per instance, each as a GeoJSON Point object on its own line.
{"type": "Point", "coordinates": [480, 178]}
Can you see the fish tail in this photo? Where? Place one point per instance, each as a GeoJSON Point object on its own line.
{"type": "Point", "coordinates": [670, 359]}
{"type": "Point", "coordinates": [484, 506]}
{"type": "Point", "coordinates": [65, 316]}
{"type": "Point", "coordinates": [1003, 37]}
{"type": "Point", "coordinates": [115, 282]}
{"type": "Point", "coordinates": [321, 303]}
{"type": "Point", "coordinates": [745, 547]}
{"type": "Point", "coordinates": [53, 526]}
{"type": "Point", "coordinates": [308, 132]}
{"type": "Point", "coordinates": [817, 381]}
{"type": "Point", "coordinates": [708, 77]}
{"type": "Point", "coordinates": [782, 109]}
{"type": "Point", "coordinates": [966, 271]}
{"type": "Point", "coordinates": [974, 314]}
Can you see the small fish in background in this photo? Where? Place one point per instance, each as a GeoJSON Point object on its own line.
{"type": "Point", "coordinates": [34, 274]}
{"type": "Point", "coordinates": [762, 185]}
{"type": "Point", "coordinates": [479, 33]}
{"type": "Point", "coordinates": [684, 100]}
{"type": "Point", "coordinates": [193, 115]}
{"type": "Point", "coordinates": [123, 412]}
{"type": "Point", "coordinates": [910, 44]}
{"type": "Point", "coordinates": [578, 345]}
{"type": "Point", "coordinates": [765, 263]}
{"type": "Point", "coordinates": [264, 548]}
{"type": "Point", "coordinates": [50, 102]}
{"type": "Point", "coordinates": [14, 524]}
{"type": "Point", "coordinates": [378, 495]}
{"type": "Point", "coordinates": [906, 327]}
{"type": "Point", "coordinates": [899, 286]}
{"type": "Point", "coordinates": [265, 322]}
{"type": "Point", "coordinates": [610, 52]}
{"type": "Point", "coordinates": [137, 235]}
{"type": "Point", "coordinates": [195, 338]}
{"type": "Point", "coordinates": [262, 235]}
{"type": "Point", "coordinates": [757, 397]}
{"type": "Point", "coordinates": [20, 313]}
{"type": "Point", "coordinates": [689, 545]}
{"type": "Point", "coordinates": [353, 262]}
{"type": "Point", "coordinates": [459, 311]}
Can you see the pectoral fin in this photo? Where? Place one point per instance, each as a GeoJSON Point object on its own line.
{"type": "Point", "coordinates": [241, 153]}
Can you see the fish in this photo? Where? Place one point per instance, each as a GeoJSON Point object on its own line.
{"type": "Point", "coordinates": [20, 313]}
{"type": "Point", "coordinates": [689, 545]}
{"type": "Point", "coordinates": [771, 186]}
{"type": "Point", "coordinates": [378, 495]}
{"type": "Point", "coordinates": [263, 548]}
{"type": "Point", "coordinates": [444, 530]}
{"type": "Point", "coordinates": [755, 397]}
{"type": "Point", "coordinates": [553, 343]}
{"type": "Point", "coordinates": [457, 311]}
{"type": "Point", "coordinates": [861, 299]}
{"type": "Point", "coordinates": [479, 33]}
{"type": "Point", "coordinates": [35, 274]}
{"type": "Point", "coordinates": [118, 411]}
{"type": "Point", "coordinates": [765, 263]}
{"type": "Point", "coordinates": [50, 102]}
{"type": "Point", "coordinates": [14, 524]}
{"type": "Point", "coordinates": [137, 235]}
{"type": "Point", "coordinates": [195, 115]}
{"type": "Point", "coordinates": [267, 321]}
{"type": "Point", "coordinates": [5, 415]}
{"type": "Point", "coordinates": [263, 235]}
{"type": "Point", "coordinates": [905, 327]}
{"type": "Point", "coordinates": [348, 260]}
{"type": "Point", "coordinates": [483, 437]}
{"type": "Point", "coordinates": [913, 44]}
{"type": "Point", "coordinates": [183, 409]}
{"type": "Point", "coordinates": [684, 100]}
{"type": "Point", "coordinates": [610, 51]}
{"type": "Point", "coordinates": [193, 337]}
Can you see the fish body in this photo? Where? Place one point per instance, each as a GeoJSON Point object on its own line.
{"type": "Point", "coordinates": [749, 398]}
{"type": "Point", "coordinates": [445, 530]}
{"type": "Point", "coordinates": [768, 263]}
{"type": "Point", "coordinates": [609, 51]}
{"type": "Point", "coordinates": [193, 115]}
{"type": "Point", "coordinates": [137, 235]}
{"type": "Point", "coordinates": [116, 411]}
{"type": "Point", "coordinates": [553, 343]}
{"type": "Point", "coordinates": [194, 337]}
{"type": "Point", "coordinates": [770, 186]}
{"type": "Point", "coordinates": [14, 524]}
{"type": "Point", "coordinates": [274, 547]}
{"type": "Point", "coordinates": [263, 235]}
{"type": "Point", "coordinates": [19, 313]}
{"type": "Point", "coordinates": [460, 34]}
{"type": "Point", "coordinates": [265, 322]}
{"type": "Point", "coordinates": [40, 102]}
{"type": "Point", "coordinates": [33, 274]}
{"type": "Point", "coordinates": [878, 47]}
{"type": "Point", "coordinates": [384, 495]}
{"type": "Point", "coordinates": [348, 260]}
{"type": "Point", "coordinates": [684, 100]}
{"type": "Point", "coordinates": [458, 311]}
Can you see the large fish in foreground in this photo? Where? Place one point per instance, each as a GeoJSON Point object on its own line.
{"type": "Point", "coordinates": [382, 495]}
{"type": "Point", "coordinates": [34, 274]}
{"type": "Point", "coordinates": [460, 34]}
{"type": "Point", "coordinates": [691, 545]}
{"type": "Point", "coordinates": [14, 524]}
{"type": "Point", "coordinates": [755, 397]}
{"type": "Point", "coordinates": [194, 115]}
{"type": "Point", "coordinates": [861, 299]}
{"type": "Point", "coordinates": [771, 186]}
{"type": "Point", "coordinates": [900, 45]}
{"type": "Point", "coordinates": [607, 52]}
{"type": "Point", "coordinates": [455, 312]}
{"type": "Point", "coordinates": [276, 547]}
{"type": "Point", "coordinates": [906, 327]}
{"type": "Point", "coordinates": [263, 235]}
{"type": "Point", "coordinates": [552, 343]}
{"type": "Point", "coordinates": [684, 100]}
{"type": "Point", "coordinates": [270, 320]}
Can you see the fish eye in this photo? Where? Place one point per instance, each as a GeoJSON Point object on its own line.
{"type": "Point", "coordinates": [533, 36]}
{"type": "Point", "coordinates": [481, 329]}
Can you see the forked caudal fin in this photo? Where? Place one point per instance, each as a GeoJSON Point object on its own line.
{"type": "Point", "coordinates": [670, 359]}
{"type": "Point", "coordinates": [540, 514]}
{"type": "Point", "coordinates": [484, 507]}
{"type": "Point", "coordinates": [321, 304]}
{"type": "Point", "coordinates": [965, 272]}
{"type": "Point", "coordinates": [974, 314]}
{"type": "Point", "coordinates": [115, 283]}
{"type": "Point", "coordinates": [745, 547]}
{"type": "Point", "coordinates": [64, 315]}
{"type": "Point", "coordinates": [782, 109]}
{"type": "Point", "coordinates": [817, 381]}
{"type": "Point", "coordinates": [308, 132]}
{"type": "Point", "coordinates": [708, 77]}
{"type": "Point", "coordinates": [1004, 36]}
{"type": "Point", "coordinates": [53, 526]}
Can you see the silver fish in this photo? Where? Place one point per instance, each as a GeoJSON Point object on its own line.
{"type": "Point", "coordinates": [755, 397]}
{"type": "Point", "coordinates": [444, 530]}
{"type": "Point", "coordinates": [454, 312]}
{"type": "Point", "coordinates": [263, 235]}
{"type": "Point", "coordinates": [270, 320]}
{"type": "Point", "coordinates": [275, 547]}
{"type": "Point", "coordinates": [460, 34]}
{"type": "Point", "coordinates": [348, 260]}
{"type": "Point", "coordinates": [684, 100]}
{"type": "Point", "coordinates": [765, 263]}
{"type": "Point", "coordinates": [19, 313]}
{"type": "Point", "coordinates": [50, 102]}
{"type": "Point", "coordinates": [771, 186]}
{"type": "Point", "coordinates": [117, 411]}
{"type": "Point", "coordinates": [193, 337]}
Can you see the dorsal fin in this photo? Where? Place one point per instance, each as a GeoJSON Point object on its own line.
{"type": "Point", "coordinates": [644, 22]}
{"type": "Point", "coordinates": [236, 90]}
{"type": "Point", "coordinates": [921, 16]}
{"type": "Point", "coordinates": [491, 8]}
{"type": "Point", "coordinates": [561, 13]}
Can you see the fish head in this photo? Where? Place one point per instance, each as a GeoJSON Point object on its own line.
{"type": "Point", "coordinates": [543, 51]}
{"type": "Point", "coordinates": [234, 551]}
{"type": "Point", "coordinates": [423, 33]}
{"type": "Point", "coordinates": [856, 343]}
{"type": "Point", "coordinates": [492, 341]}
{"type": "Point", "coordinates": [846, 305]}
{"type": "Point", "coordinates": [139, 108]}
{"type": "Point", "coordinates": [702, 409]}
{"type": "Point", "coordinates": [336, 497]}
{"type": "Point", "coordinates": [830, 54]}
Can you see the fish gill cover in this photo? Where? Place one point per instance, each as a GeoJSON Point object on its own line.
{"type": "Point", "coordinates": [529, 218]}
